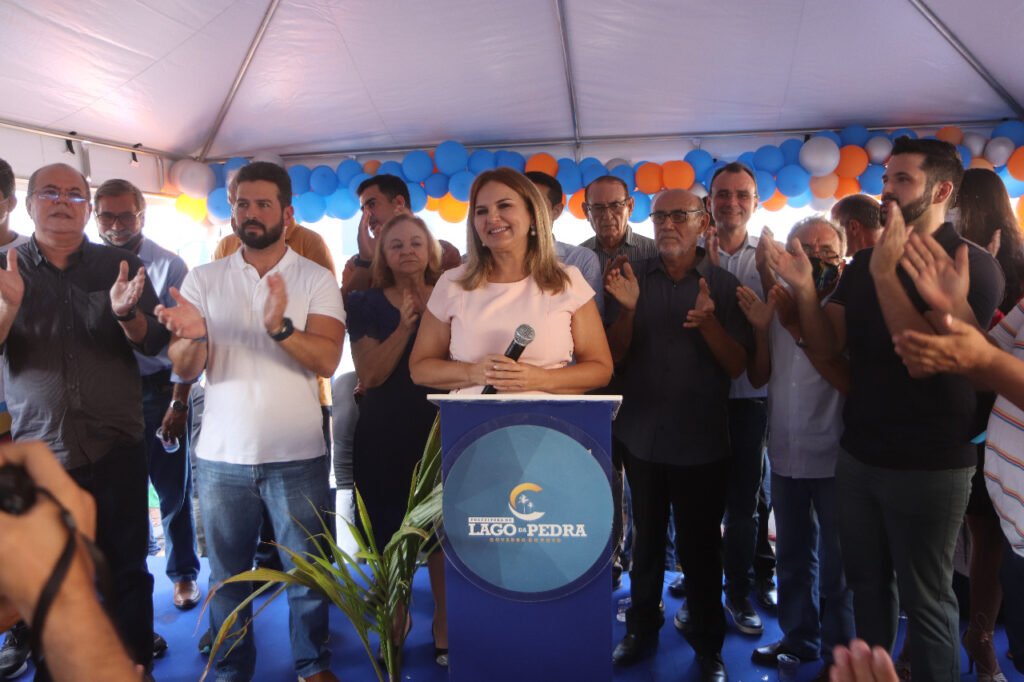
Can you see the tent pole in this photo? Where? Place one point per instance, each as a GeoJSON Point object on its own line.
{"type": "Point", "coordinates": [570, 81]}
{"type": "Point", "coordinates": [95, 141]}
{"type": "Point", "coordinates": [967, 55]}
{"type": "Point", "coordinates": [239, 77]}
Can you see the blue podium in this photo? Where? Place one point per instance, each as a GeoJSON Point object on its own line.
{"type": "Point", "coordinates": [528, 536]}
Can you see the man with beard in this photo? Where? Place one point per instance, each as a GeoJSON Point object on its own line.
{"type": "Point", "coordinates": [680, 337]}
{"type": "Point", "coordinates": [120, 217]}
{"type": "Point", "coordinates": [263, 323]}
{"type": "Point", "coordinates": [906, 459]}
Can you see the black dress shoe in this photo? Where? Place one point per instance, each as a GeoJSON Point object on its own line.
{"type": "Point", "coordinates": [765, 593]}
{"type": "Point", "coordinates": [768, 655]}
{"type": "Point", "coordinates": [633, 648]}
{"type": "Point", "coordinates": [712, 668]}
{"type": "Point", "coordinates": [682, 619]}
{"type": "Point", "coordinates": [677, 588]}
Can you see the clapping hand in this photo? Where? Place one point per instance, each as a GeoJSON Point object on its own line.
{"type": "Point", "coordinates": [621, 283]}
{"type": "Point", "coordinates": [861, 663]}
{"type": "Point", "coordinates": [959, 349]}
{"type": "Point", "coordinates": [125, 293]}
{"type": "Point", "coordinates": [183, 320]}
{"type": "Point", "coordinates": [792, 265]}
{"type": "Point", "coordinates": [942, 282]}
{"type": "Point", "coordinates": [703, 309]}
{"type": "Point", "coordinates": [274, 306]}
{"type": "Point", "coordinates": [12, 286]}
{"type": "Point", "coordinates": [411, 309]}
{"type": "Point", "coordinates": [364, 239]}
{"type": "Point", "coordinates": [889, 249]}
{"type": "Point", "coordinates": [758, 313]}
{"type": "Point", "coordinates": [711, 246]}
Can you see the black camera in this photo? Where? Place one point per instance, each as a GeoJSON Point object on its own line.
{"type": "Point", "coordinates": [17, 490]}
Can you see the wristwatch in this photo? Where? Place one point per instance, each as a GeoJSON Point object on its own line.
{"type": "Point", "coordinates": [127, 317]}
{"type": "Point", "coordinates": [179, 406]}
{"type": "Point", "coordinates": [362, 263]}
{"type": "Point", "coordinates": [284, 332]}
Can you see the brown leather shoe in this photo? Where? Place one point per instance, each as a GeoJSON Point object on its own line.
{"type": "Point", "coordinates": [322, 676]}
{"type": "Point", "coordinates": [186, 594]}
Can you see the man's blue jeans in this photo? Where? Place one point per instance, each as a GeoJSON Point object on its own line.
{"type": "Point", "coordinates": [231, 497]}
{"type": "Point", "coordinates": [815, 604]}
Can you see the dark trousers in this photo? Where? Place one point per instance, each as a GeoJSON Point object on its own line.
{"type": "Point", "coordinates": [696, 495]}
{"type": "Point", "coordinates": [748, 420]}
{"type": "Point", "coordinates": [118, 484]}
{"type": "Point", "coordinates": [171, 475]}
{"type": "Point", "coordinates": [898, 530]}
{"type": "Point", "coordinates": [1011, 575]}
{"type": "Point", "coordinates": [621, 526]}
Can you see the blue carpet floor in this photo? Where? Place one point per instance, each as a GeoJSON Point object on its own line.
{"type": "Point", "coordinates": [674, 661]}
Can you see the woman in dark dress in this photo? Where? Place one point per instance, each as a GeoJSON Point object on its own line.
{"type": "Point", "coordinates": [394, 414]}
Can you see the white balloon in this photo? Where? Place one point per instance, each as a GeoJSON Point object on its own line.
{"type": "Point", "coordinates": [196, 179]}
{"type": "Point", "coordinates": [699, 190]}
{"type": "Point", "coordinates": [878, 148]}
{"type": "Point", "coordinates": [615, 163]}
{"type": "Point", "coordinates": [269, 158]}
{"type": "Point", "coordinates": [975, 143]}
{"type": "Point", "coordinates": [174, 173]}
{"type": "Point", "coordinates": [823, 203]}
{"type": "Point", "coordinates": [819, 156]}
{"type": "Point", "coordinates": [998, 150]}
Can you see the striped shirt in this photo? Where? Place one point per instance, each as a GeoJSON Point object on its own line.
{"type": "Point", "coordinates": [1004, 449]}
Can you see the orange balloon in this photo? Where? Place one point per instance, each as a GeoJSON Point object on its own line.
{"type": "Point", "coordinates": [950, 134]}
{"type": "Point", "coordinates": [776, 202]}
{"type": "Point", "coordinates": [371, 166]}
{"type": "Point", "coordinates": [576, 205]}
{"type": "Point", "coordinates": [433, 203]}
{"type": "Point", "coordinates": [543, 162]}
{"type": "Point", "coordinates": [677, 175]}
{"type": "Point", "coordinates": [648, 178]}
{"type": "Point", "coordinates": [452, 210]}
{"type": "Point", "coordinates": [847, 186]}
{"type": "Point", "coordinates": [853, 161]}
{"type": "Point", "coordinates": [824, 186]}
{"type": "Point", "coordinates": [1015, 164]}
{"type": "Point", "coordinates": [1020, 211]}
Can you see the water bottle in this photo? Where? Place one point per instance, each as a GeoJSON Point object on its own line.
{"type": "Point", "coordinates": [623, 605]}
{"type": "Point", "coordinates": [168, 445]}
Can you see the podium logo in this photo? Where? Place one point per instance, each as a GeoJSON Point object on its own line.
{"type": "Point", "coordinates": [521, 504]}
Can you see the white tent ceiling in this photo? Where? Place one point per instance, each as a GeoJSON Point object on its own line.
{"type": "Point", "coordinates": [598, 77]}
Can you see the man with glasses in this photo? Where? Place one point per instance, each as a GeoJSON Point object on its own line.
{"type": "Point", "coordinates": [805, 421]}
{"type": "Point", "coordinates": [679, 337]}
{"type": "Point", "coordinates": [732, 200]}
{"type": "Point", "coordinates": [120, 217]}
{"type": "Point", "coordinates": [71, 313]}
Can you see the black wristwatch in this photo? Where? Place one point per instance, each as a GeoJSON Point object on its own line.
{"type": "Point", "coordinates": [284, 332]}
{"type": "Point", "coordinates": [127, 317]}
{"type": "Point", "coordinates": [178, 406]}
{"type": "Point", "coordinates": [360, 263]}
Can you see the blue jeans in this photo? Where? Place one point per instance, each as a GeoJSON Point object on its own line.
{"type": "Point", "coordinates": [748, 419]}
{"type": "Point", "coordinates": [815, 605]}
{"type": "Point", "coordinates": [231, 497]}
{"type": "Point", "coordinates": [171, 476]}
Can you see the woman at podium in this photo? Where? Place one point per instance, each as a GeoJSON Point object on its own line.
{"type": "Point", "coordinates": [512, 278]}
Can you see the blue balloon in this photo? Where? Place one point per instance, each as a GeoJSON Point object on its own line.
{"type": "Point", "coordinates": [417, 197]}
{"type": "Point", "coordinates": [570, 178]}
{"type": "Point", "coordinates": [855, 134]}
{"type": "Point", "coordinates": [589, 162]}
{"type": "Point", "coordinates": [765, 183]}
{"type": "Point", "coordinates": [508, 159]}
{"type": "Point", "coordinates": [566, 164]}
{"type": "Point", "coordinates": [871, 179]}
{"type": "Point", "coordinates": [769, 158]}
{"type": "Point", "coordinates": [641, 207]}
{"type": "Point", "coordinates": [460, 184]}
{"type": "Point", "coordinates": [1011, 129]}
{"type": "Point", "coordinates": [793, 180]}
{"type": "Point", "coordinates": [700, 160]}
{"type": "Point", "coordinates": [965, 155]}
{"type": "Point", "coordinates": [481, 160]}
{"type": "Point", "coordinates": [1014, 187]}
{"type": "Point", "coordinates": [451, 157]}
{"type": "Point", "coordinates": [747, 159]}
{"type": "Point", "coordinates": [591, 173]}
{"type": "Point", "coordinates": [624, 173]}
{"type": "Point", "coordinates": [436, 185]}
{"type": "Point", "coordinates": [219, 174]}
{"type": "Point", "coordinates": [902, 132]}
{"type": "Point", "coordinates": [310, 207]}
{"type": "Point", "coordinates": [300, 179]}
{"type": "Point", "coordinates": [342, 204]}
{"type": "Point", "coordinates": [831, 134]}
{"type": "Point", "coordinates": [348, 169]}
{"type": "Point", "coordinates": [802, 200]}
{"type": "Point", "coordinates": [323, 180]}
{"type": "Point", "coordinates": [710, 173]}
{"type": "Point", "coordinates": [234, 163]}
{"type": "Point", "coordinates": [417, 165]}
{"type": "Point", "coordinates": [392, 168]}
{"type": "Point", "coordinates": [355, 181]}
{"type": "Point", "coordinates": [217, 204]}
{"type": "Point", "coordinates": [791, 150]}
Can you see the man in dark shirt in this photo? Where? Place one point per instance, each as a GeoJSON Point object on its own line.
{"type": "Point", "coordinates": [70, 316]}
{"type": "Point", "coordinates": [905, 466]}
{"type": "Point", "coordinates": [679, 338]}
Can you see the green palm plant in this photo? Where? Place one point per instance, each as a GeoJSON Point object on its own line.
{"type": "Point", "coordinates": [370, 594]}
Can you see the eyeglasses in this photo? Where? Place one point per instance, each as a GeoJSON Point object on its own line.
{"type": "Point", "coordinates": [614, 207]}
{"type": "Point", "coordinates": [678, 216]}
{"type": "Point", "coordinates": [72, 195]}
{"type": "Point", "coordinates": [127, 219]}
{"type": "Point", "coordinates": [726, 195]}
{"type": "Point", "coordinates": [825, 255]}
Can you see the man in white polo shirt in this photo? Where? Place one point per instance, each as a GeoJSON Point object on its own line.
{"type": "Point", "coordinates": [263, 323]}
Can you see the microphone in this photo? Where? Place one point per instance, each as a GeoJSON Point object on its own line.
{"type": "Point", "coordinates": [520, 340]}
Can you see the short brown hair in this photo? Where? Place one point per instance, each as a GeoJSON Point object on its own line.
{"type": "Point", "coordinates": [118, 188]}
